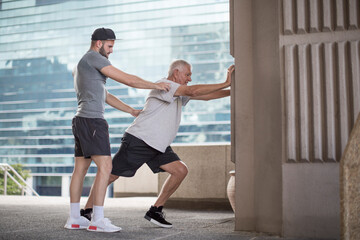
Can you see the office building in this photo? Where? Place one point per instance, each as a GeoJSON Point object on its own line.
{"type": "Point", "coordinates": [41, 43]}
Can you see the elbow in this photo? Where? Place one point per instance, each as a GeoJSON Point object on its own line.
{"type": "Point", "coordinates": [109, 98]}
{"type": "Point", "coordinates": [192, 93]}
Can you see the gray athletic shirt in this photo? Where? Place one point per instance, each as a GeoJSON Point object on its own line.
{"type": "Point", "coordinates": [159, 121]}
{"type": "Point", "coordinates": [89, 85]}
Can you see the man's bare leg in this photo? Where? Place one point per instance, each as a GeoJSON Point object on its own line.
{"type": "Point", "coordinates": [77, 179]}
{"type": "Point", "coordinates": [75, 221]}
{"type": "Point", "coordinates": [104, 166]}
{"type": "Point", "coordinates": [178, 171]}
{"type": "Point", "coordinates": [99, 223]}
{"type": "Point", "coordinates": [90, 202]}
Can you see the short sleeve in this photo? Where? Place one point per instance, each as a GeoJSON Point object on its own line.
{"type": "Point", "coordinates": [185, 100]}
{"type": "Point", "coordinates": [164, 95]}
{"type": "Point", "coordinates": [98, 61]}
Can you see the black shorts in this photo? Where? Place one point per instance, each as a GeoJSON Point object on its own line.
{"type": "Point", "coordinates": [91, 137]}
{"type": "Point", "coordinates": [133, 153]}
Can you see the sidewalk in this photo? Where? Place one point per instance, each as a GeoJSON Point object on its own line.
{"type": "Point", "coordinates": [45, 217]}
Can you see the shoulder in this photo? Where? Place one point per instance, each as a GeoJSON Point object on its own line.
{"type": "Point", "coordinates": [172, 83]}
{"type": "Point", "coordinates": [93, 55]}
{"type": "Point", "coordinates": [167, 96]}
{"type": "Point", "coordinates": [95, 59]}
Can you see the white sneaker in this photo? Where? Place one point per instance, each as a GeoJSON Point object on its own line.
{"type": "Point", "coordinates": [77, 223]}
{"type": "Point", "coordinates": [103, 225]}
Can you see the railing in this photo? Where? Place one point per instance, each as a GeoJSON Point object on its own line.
{"type": "Point", "coordinates": [7, 169]}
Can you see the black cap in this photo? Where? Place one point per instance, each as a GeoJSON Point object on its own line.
{"type": "Point", "coordinates": [103, 34]}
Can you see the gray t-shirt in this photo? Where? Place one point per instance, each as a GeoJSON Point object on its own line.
{"type": "Point", "coordinates": [159, 121]}
{"type": "Point", "coordinates": [89, 85]}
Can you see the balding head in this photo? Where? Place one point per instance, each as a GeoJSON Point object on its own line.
{"type": "Point", "coordinates": [179, 65]}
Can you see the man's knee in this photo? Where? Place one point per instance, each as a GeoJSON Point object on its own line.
{"type": "Point", "coordinates": [177, 169]}
{"type": "Point", "coordinates": [105, 169]}
{"type": "Point", "coordinates": [184, 170]}
{"type": "Point", "coordinates": [113, 178]}
{"type": "Point", "coordinates": [181, 170]}
{"type": "Point", "coordinates": [104, 164]}
{"type": "Point", "coordinates": [80, 170]}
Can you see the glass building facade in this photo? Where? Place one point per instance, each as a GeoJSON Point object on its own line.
{"type": "Point", "coordinates": [42, 41]}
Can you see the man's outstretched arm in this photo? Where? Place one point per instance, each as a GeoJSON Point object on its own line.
{"type": "Point", "coordinates": [195, 91]}
{"type": "Point", "coordinates": [214, 95]}
{"type": "Point", "coordinates": [120, 105]}
{"type": "Point", "coordinates": [132, 80]}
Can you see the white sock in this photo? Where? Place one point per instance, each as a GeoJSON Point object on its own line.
{"type": "Point", "coordinates": [98, 212]}
{"type": "Point", "coordinates": [75, 210]}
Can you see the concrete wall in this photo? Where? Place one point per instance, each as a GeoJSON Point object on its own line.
{"type": "Point", "coordinates": [206, 183]}
{"type": "Point", "coordinates": [311, 203]}
{"type": "Point", "coordinates": [294, 100]}
{"type": "Point", "coordinates": [204, 187]}
{"type": "Point", "coordinates": [144, 183]}
{"type": "Point", "coordinates": [320, 74]}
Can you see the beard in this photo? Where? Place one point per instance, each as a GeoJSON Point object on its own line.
{"type": "Point", "coordinates": [103, 52]}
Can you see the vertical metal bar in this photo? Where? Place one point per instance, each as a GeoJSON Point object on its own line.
{"type": "Point", "coordinates": [5, 181]}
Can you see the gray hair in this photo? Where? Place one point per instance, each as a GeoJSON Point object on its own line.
{"type": "Point", "coordinates": [177, 64]}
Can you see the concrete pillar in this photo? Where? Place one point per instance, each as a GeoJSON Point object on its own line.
{"type": "Point", "coordinates": [65, 184]}
{"type": "Point", "coordinates": [29, 181]}
{"type": "Point", "coordinates": [256, 112]}
{"type": "Point", "coordinates": [350, 185]}
{"type": "Point", "coordinates": [242, 114]}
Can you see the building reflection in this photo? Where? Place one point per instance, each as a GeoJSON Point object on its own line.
{"type": "Point", "coordinates": [43, 40]}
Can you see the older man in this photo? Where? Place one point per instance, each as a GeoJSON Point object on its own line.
{"type": "Point", "coordinates": [148, 138]}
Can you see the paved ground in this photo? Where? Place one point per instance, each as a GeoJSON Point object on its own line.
{"type": "Point", "coordinates": [45, 217]}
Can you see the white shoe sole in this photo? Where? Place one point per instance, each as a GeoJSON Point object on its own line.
{"type": "Point", "coordinates": [157, 223]}
{"type": "Point", "coordinates": [75, 226]}
{"type": "Point", "coordinates": [96, 229]}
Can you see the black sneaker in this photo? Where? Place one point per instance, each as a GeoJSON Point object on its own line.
{"type": "Point", "coordinates": [86, 213]}
{"type": "Point", "coordinates": [157, 216]}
